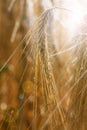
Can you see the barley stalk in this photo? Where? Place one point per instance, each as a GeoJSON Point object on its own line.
{"type": "Point", "coordinates": [79, 94]}
{"type": "Point", "coordinates": [40, 43]}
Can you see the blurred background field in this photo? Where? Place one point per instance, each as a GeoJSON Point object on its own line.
{"type": "Point", "coordinates": [43, 65]}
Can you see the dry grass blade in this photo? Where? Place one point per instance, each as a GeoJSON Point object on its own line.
{"type": "Point", "coordinates": [11, 5]}
{"type": "Point", "coordinates": [18, 21]}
